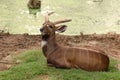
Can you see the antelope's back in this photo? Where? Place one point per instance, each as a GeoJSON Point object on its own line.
{"type": "Point", "coordinates": [89, 59]}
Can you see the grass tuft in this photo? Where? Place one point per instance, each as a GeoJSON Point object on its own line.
{"type": "Point", "coordinates": [33, 67]}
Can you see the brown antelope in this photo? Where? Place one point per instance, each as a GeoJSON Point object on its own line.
{"type": "Point", "coordinates": [34, 4]}
{"type": "Point", "coordinates": [69, 57]}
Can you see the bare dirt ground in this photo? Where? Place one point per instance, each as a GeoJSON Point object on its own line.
{"type": "Point", "coordinates": [14, 44]}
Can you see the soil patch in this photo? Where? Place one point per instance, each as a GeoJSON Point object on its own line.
{"type": "Point", "coordinates": [17, 43]}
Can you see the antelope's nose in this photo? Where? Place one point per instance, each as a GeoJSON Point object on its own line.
{"type": "Point", "coordinates": [41, 29]}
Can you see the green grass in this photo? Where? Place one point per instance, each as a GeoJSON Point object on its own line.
{"type": "Point", "coordinates": [33, 67]}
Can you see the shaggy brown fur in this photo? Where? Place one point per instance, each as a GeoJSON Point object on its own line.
{"type": "Point", "coordinates": [34, 4]}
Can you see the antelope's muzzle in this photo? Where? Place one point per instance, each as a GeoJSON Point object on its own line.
{"type": "Point", "coordinates": [44, 35]}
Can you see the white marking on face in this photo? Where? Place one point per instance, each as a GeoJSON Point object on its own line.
{"type": "Point", "coordinates": [43, 43]}
{"type": "Point", "coordinates": [47, 25]}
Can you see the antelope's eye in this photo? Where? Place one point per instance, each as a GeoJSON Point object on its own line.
{"type": "Point", "coordinates": [50, 26]}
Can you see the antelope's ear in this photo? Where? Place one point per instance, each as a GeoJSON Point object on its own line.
{"type": "Point", "coordinates": [61, 28]}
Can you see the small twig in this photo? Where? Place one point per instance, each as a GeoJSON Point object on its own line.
{"type": "Point", "coordinates": [5, 62]}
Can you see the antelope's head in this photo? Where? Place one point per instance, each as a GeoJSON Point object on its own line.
{"type": "Point", "coordinates": [49, 28]}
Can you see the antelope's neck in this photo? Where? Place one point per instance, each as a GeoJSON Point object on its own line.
{"type": "Point", "coordinates": [49, 46]}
